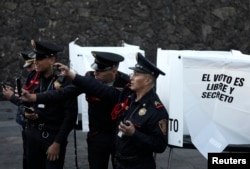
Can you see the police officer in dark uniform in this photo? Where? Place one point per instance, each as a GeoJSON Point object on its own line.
{"type": "Point", "coordinates": [9, 94]}
{"type": "Point", "coordinates": [100, 137]}
{"type": "Point", "coordinates": [142, 120]}
{"type": "Point", "coordinates": [48, 124]}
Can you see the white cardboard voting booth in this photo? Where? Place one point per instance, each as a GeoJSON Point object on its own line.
{"type": "Point", "coordinates": [205, 92]}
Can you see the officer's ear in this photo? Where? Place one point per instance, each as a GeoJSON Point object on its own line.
{"type": "Point", "coordinates": [52, 59]}
{"type": "Point", "coordinates": [149, 79]}
{"type": "Point", "coordinates": [114, 69]}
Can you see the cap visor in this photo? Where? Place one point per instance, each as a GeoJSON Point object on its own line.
{"type": "Point", "coordinates": [137, 70]}
{"type": "Point", "coordinates": [26, 65]}
{"type": "Point", "coordinates": [97, 67]}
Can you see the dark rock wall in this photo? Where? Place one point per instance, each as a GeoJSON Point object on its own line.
{"type": "Point", "coordinates": [168, 24]}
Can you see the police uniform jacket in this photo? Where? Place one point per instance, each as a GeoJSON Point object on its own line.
{"type": "Point", "coordinates": [99, 110]}
{"type": "Point", "coordinates": [150, 120]}
{"type": "Point", "coordinates": [60, 116]}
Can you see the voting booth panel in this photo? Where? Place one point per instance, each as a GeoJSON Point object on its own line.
{"type": "Point", "coordinates": [206, 95]}
{"type": "Point", "coordinates": [81, 60]}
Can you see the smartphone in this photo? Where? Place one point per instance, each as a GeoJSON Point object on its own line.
{"type": "Point", "coordinates": [56, 70]}
{"type": "Point", "coordinates": [28, 109]}
{"type": "Point", "coordinates": [126, 123]}
{"type": "Point", "coordinates": [19, 87]}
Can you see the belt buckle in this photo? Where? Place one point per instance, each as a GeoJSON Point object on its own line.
{"type": "Point", "coordinates": [45, 134]}
{"type": "Point", "coordinates": [41, 126]}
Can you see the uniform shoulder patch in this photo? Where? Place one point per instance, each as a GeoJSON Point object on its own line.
{"type": "Point", "coordinates": [158, 104]}
{"type": "Point", "coordinates": [57, 84]}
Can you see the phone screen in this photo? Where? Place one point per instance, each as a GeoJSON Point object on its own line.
{"type": "Point", "coordinates": [56, 70]}
{"type": "Point", "coordinates": [19, 86]}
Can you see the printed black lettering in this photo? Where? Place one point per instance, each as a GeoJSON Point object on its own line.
{"type": "Point", "coordinates": [205, 77]}
{"type": "Point", "coordinates": [231, 90]}
{"type": "Point", "coordinates": [217, 86]}
{"type": "Point", "coordinates": [218, 95]}
{"type": "Point", "coordinates": [223, 78]}
{"type": "Point", "coordinates": [176, 125]}
{"type": "Point", "coordinates": [170, 124]}
{"type": "Point", "coordinates": [173, 125]}
{"type": "Point", "coordinates": [239, 81]}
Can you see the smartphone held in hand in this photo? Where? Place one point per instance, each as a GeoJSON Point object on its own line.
{"type": "Point", "coordinates": [19, 87]}
{"type": "Point", "coordinates": [28, 109]}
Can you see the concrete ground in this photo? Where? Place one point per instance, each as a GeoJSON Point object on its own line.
{"type": "Point", "coordinates": [11, 148]}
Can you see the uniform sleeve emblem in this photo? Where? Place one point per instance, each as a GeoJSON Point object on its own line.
{"type": "Point", "coordinates": [57, 85]}
{"type": "Point", "coordinates": [158, 105]}
{"type": "Point", "coordinates": [163, 126]}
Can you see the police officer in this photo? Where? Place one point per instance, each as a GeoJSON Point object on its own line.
{"type": "Point", "coordinates": [29, 65]}
{"type": "Point", "coordinates": [9, 94]}
{"type": "Point", "coordinates": [100, 138]}
{"type": "Point", "coordinates": [49, 124]}
{"type": "Point", "coordinates": [142, 120]}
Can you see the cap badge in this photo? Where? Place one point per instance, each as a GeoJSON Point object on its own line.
{"type": "Point", "coordinates": [33, 43]}
{"type": "Point", "coordinates": [142, 111]}
{"type": "Point", "coordinates": [139, 66]}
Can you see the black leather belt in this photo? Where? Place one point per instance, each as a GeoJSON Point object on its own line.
{"type": "Point", "coordinates": [125, 158]}
{"type": "Point", "coordinates": [43, 126]}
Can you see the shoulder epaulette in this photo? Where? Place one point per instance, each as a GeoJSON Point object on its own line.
{"type": "Point", "coordinates": [158, 104]}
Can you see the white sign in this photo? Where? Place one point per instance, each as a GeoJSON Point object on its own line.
{"type": "Point", "coordinates": [206, 93]}
{"type": "Point", "coordinates": [169, 89]}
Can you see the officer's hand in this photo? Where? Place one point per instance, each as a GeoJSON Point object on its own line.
{"type": "Point", "coordinates": [53, 151]}
{"type": "Point", "coordinates": [127, 128]}
{"type": "Point", "coordinates": [8, 92]}
{"type": "Point", "coordinates": [27, 97]}
{"type": "Point", "coordinates": [31, 116]}
{"type": "Point", "coordinates": [65, 71]}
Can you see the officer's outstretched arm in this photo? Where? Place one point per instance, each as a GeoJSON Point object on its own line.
{"type": "Point", "coordinates": [27, 96]}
